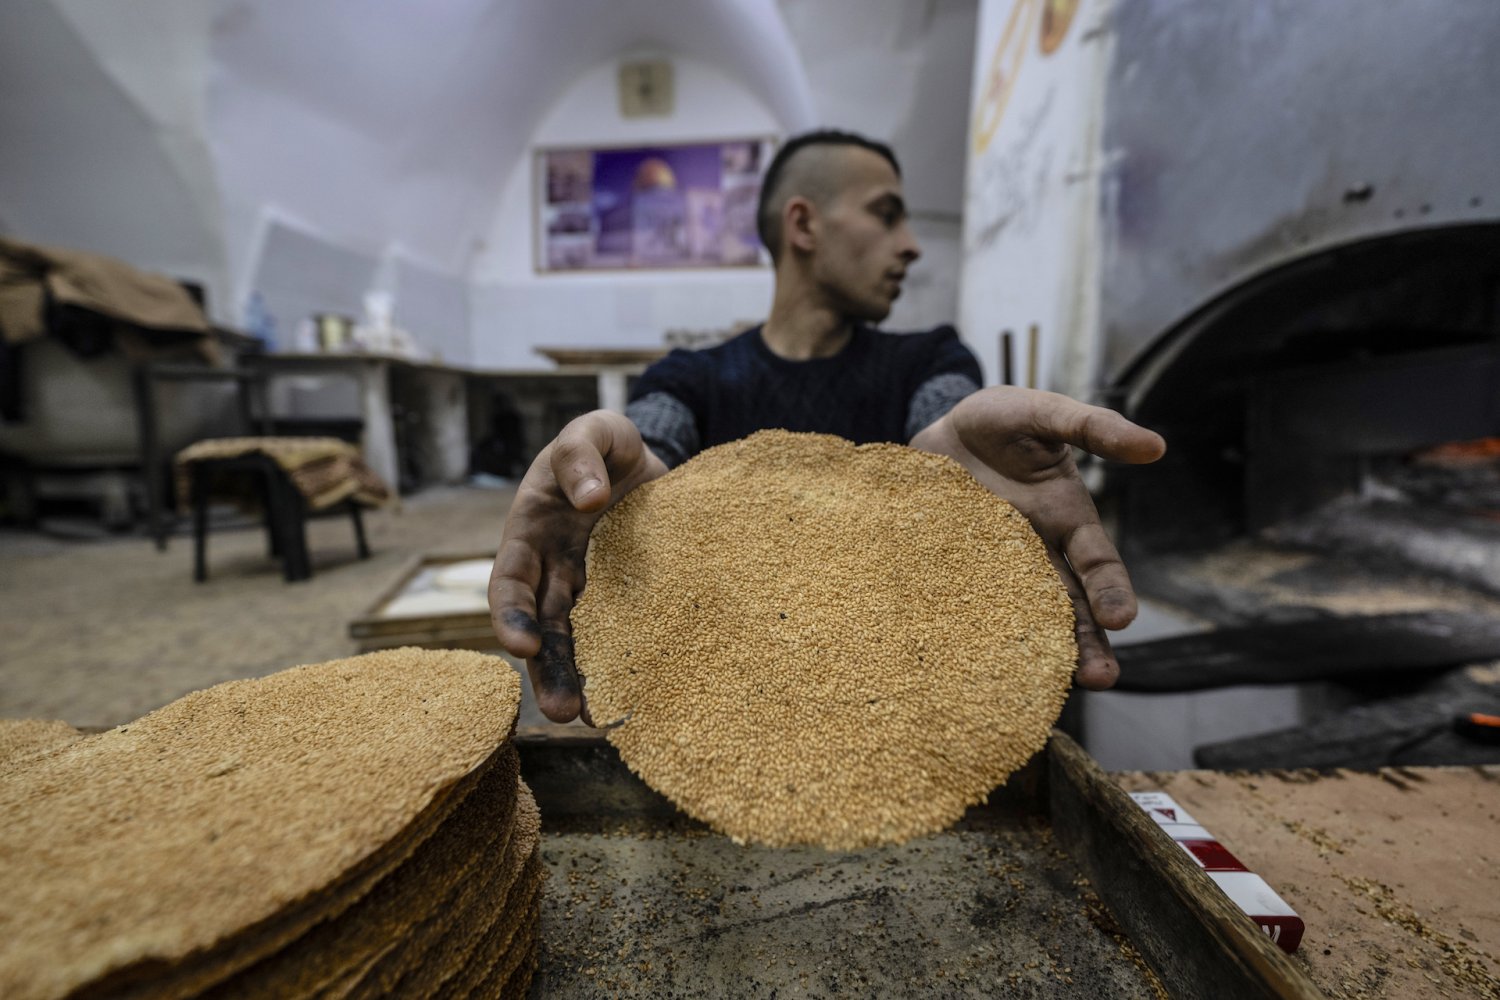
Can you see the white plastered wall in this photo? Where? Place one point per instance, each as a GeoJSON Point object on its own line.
{"type": "Point", "coordinates": [515, 308]}
{"type": "Point", "coordinates": [1031, 189]}
{"type": "Point", "coordinates": [102, 143]}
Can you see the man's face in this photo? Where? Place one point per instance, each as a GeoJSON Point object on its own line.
{"type": "Point", "coordinates": [864, 243]}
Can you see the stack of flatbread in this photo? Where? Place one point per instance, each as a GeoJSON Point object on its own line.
{"type": "Point", "coordinates": [356, 828]}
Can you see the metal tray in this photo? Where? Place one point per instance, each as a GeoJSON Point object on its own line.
{"type": "Point", "coordinates": [1058, 887]}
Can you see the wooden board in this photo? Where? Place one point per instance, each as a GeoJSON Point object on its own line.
{"type": "Point", "coordinates": [1405, 729]}
{"type": "Point", "coordinates": [1317, 649]}
{"type": "Point", "coordinates": [377, 628]}
{"type": "Point", "coordinates": [1199, 943]}
{"type": "Point", "coordinates": [1395, 872]}
{"type": "Point", "coordinates": [602, 355]}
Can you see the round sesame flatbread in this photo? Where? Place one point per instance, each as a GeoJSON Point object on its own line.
{"type": "Point", "coordinates": [805, 641]}
{"type": "Point", "coordinates": [21, 738]}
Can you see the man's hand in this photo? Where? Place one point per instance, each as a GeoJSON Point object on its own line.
{"type": "Point", "coordinates": [1018, 443]}
{"type": "Point", "coordinates": [538, 570]}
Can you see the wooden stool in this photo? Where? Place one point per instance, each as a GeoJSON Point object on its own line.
{"type": "Point", "coordinates": [286, 513]}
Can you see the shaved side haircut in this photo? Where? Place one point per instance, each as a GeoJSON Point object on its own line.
{"type": "Point", "coordinates": [803, 168]}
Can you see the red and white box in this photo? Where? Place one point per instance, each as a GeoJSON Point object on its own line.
{"type": "Point", "coordinates": [1244, 888]}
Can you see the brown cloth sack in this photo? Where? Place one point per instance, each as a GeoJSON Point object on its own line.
{"type": "Point", "coordinates": [91, 281]}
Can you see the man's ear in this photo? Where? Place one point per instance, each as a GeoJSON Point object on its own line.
{"type": "Point", "coordinates": [799, 217]}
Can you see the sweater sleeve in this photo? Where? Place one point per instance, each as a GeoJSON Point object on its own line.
{"type": "Point", "coordinates": [950, 373]}
{"type": "Point", "coordinates": [664, 406]}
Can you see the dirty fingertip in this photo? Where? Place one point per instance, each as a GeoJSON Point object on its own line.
{"type": "Point", "coordinates": [519, 620]}
{"type": "Point", "coordinates": [1115, 608]}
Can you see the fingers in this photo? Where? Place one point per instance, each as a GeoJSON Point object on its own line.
{"type": "Point", "coordinates": [539, 568]}
{"type": "Point", "coordinates": [513, 582]}
{"type": "Point", "coordinates": [1093, 428]}
{"type": "Point", "coordinates": [1097, 563]}
{"type": "Point", "coordinates": [995, 417]}
{"type": "Point", "coordinates": [1097, 667]}
{"type": "Point", "coordinates": [578, 465]}
{"type": "Point", "coordinates": [554, 678]}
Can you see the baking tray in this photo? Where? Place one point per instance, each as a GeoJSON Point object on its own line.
{"type": "Point", "coordinates": [385, 625]}
{"type": "Point", "coordinates": [1058, 887]}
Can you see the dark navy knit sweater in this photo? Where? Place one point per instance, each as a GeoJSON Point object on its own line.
{"type": "Point", "coordinates": [880, 387]}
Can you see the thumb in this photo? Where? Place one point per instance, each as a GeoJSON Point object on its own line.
{"type": "Point", "coordinates": [579, 461]}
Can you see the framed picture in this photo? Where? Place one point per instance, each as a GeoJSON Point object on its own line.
{"type": "Point", "coordinates": [666, 206]}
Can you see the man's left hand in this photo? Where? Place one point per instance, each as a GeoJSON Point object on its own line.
{"type": "Point", "coordinates": [1018, 443]}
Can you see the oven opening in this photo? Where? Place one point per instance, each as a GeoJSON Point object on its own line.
{"type": "Point", "coordinates": [1327, 518]}
{"type": "Point", "coordinates": [1346, 404]}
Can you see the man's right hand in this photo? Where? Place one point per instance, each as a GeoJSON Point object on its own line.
{"type": "Point", "coordinates": [538, 571]}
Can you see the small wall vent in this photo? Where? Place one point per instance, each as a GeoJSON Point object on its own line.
{"type": "Point", "coordinates": [646, 89]}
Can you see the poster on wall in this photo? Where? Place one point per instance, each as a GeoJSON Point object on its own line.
{"type": "Point", "coordinates": [650, 206]}
{"type": "Point", "coordinates": [1030, 226]}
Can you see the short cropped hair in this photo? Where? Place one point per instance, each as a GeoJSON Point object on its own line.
{"type": "Point", "coordinates": [776, 187]}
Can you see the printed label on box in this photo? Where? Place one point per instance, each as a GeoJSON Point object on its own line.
{"type": "Point", "coordinates": [1162, 807]}
{"type": "Point", "coordinates": [1245, 889]}
{"type": "Point", "coordinates": [1212, 855]}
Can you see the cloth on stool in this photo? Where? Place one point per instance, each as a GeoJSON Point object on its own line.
{"type": "Point", "coordinates": [324, 470]}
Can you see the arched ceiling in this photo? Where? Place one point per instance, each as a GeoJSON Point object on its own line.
{"type": "Point", "coordinates": [366, 120]}
{"type": "Point", "coordinates": [171, 135]}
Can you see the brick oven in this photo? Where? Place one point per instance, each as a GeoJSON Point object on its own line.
{"type": "Point", "coordinates": [1270, 231]}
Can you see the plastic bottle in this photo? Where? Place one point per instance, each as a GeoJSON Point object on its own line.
{"type": "Point", "coordinates": [259, 322]}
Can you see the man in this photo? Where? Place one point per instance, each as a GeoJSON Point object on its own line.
{"type": "Point", "coordinates": [814, 365]}
{"type": "Point", "coordinates": [834, 220]}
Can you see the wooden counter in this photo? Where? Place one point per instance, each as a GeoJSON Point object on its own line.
{"type": "Point", "coordinates": [443, 395]}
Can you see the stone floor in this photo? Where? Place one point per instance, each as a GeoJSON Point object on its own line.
{"type": "Point", "coordinates": [99, 632]}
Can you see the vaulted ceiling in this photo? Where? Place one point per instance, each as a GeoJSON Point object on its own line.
{"type": "Point", "coordinates": [161, 129]}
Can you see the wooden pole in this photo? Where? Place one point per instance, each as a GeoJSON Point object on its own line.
{"type": "Point", "coordinates": [1033, 338]}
